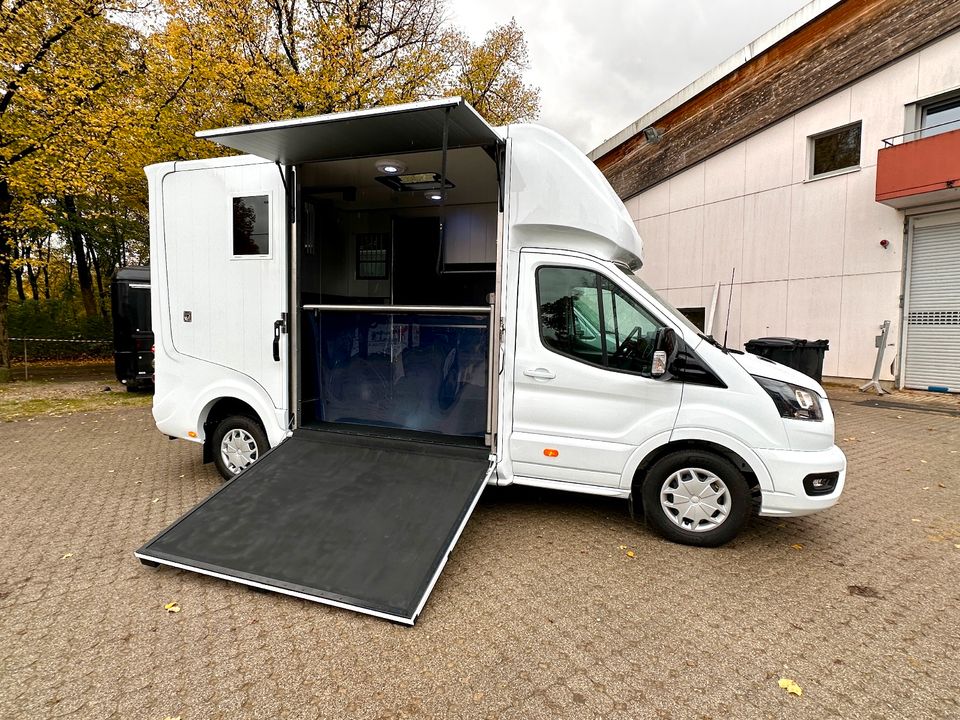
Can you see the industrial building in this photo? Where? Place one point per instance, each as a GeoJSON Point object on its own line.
{"type": "Point", "coordinates": [820, 167]}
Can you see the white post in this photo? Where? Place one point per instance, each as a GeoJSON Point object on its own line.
{"type": "Point", "coordinates": [881, 347]}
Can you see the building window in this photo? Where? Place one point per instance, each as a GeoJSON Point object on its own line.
{"type": "Point", "coordinates": [835, 150]}
{"type": "Point", "coordinates": [372, 256]}
{"type": "Point", "coordinates": [251, 225]}
{"type": "Point", "coordinates": [940, 117]}
{"type": "Point", "coordinates": [696, 315]}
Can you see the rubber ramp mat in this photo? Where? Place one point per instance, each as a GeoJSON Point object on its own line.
{"type": "Point", "coordinates": [360, 522]}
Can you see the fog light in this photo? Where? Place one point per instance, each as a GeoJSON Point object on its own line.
{"type": "Point", "coordinates": [821, 483]}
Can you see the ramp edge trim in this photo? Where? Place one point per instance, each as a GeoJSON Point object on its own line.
{"type": "Point", "coordinates": [293, 593]}
{"type": "Point", "coordinates": [453, 542]}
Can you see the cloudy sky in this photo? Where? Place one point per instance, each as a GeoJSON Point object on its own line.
{"type": "Point", "coordinates": [601, 64]}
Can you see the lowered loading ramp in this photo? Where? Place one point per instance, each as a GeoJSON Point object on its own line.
{"type": "Point", "coordinates": [359, 522]}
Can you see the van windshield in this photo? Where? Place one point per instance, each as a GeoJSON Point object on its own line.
{"type": "Point", "coordinates": [663, 301]}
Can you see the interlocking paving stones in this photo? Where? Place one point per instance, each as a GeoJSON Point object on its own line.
{"type": "Point", "coordinates": [539, 613]}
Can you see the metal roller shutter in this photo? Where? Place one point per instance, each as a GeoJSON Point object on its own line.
{"type": "Point", "coordinates": [932, 358]}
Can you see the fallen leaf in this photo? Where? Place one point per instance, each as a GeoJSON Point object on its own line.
{"type": "Point", "coordinates": [790, 686]}
{"type": "Point", "coordinates": [864, 591]}
{"type": "Point", "coordinates": [941, 485]}
{"type": "Point", "coordinates": [631, 553]}
{"type": "Point", "coordinates": [172, 607]}
{"type": "Point", "coordinates": [924, 462]}
{"type": "Point", "coordinates": [797, 546]}
{"type": "Point", "coordinates": [925, 487]}
{"type": "Point", "coordinates": [914, 520]}
{"type": "Point", "coordinates": [66, 555]}
{"type": "Point", "coordinates": [155, 500]}
{"type": "Point", "coordinates": [621, 547]}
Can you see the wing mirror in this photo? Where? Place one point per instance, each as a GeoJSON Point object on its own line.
{"type": "Point", "coordinates": [665, 348]}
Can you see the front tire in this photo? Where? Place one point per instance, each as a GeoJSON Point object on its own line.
{"type": "Point", "coordinates": [696, 498]}
{"type": "Point", "coordinates": [237, 442]}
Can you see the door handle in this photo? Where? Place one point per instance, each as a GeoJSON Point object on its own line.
{"type": "Point", "coordinates": [277, 327]}
{"type": "Point", "coordinates": [540, 374]}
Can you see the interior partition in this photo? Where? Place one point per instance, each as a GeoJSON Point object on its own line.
{"type": "Point", "coordinates": [415, 371]}
{"type": "Point", "coordinates": [395, 290]}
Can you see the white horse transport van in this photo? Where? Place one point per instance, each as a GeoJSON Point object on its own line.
{"type": "Point", "coordinates": [370, 316]}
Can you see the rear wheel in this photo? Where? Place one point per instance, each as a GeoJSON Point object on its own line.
{"type": "Point", "coordinates": [696, 498]}
{"type": "Point", "coordinates": [237, 442]}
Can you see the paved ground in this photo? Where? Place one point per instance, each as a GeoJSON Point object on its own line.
{"type": "Point", "coordinates": [539, 614]}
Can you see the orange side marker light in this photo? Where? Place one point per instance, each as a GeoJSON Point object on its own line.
{"type": "Point", "coordinates": [550, 452]}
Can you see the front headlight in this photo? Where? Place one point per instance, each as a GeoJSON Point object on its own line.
{"type": "Point", "coordinates": [792, 401]}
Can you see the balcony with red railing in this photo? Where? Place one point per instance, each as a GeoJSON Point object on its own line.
{"type": "Point", "coordinates": [920, 167]}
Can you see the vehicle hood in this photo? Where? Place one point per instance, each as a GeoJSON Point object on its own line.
{"type": "Point", "coordinates": [757, 365]}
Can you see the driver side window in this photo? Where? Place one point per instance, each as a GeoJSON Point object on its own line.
{"type": "Point", "coordinates": [586, 316]}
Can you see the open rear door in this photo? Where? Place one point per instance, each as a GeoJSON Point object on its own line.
{"type": "Point", "coordinates": [360, 522]}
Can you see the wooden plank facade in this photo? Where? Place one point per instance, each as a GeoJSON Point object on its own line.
{"type": "Point", "coordinates": [847, 42]}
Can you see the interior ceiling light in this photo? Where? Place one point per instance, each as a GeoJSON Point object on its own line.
{"type": "Point", "coordinates": [391, 167]}
{"type": "Point", "coordinates": [414, 182]}
{"type": "Point", "coordinates": [433, 195]}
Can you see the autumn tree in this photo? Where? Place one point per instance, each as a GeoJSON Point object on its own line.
{"type": "Point", "coordinates": [228, 62]}
{"type": "Point", "coordinates": [93, 92]}
{"type": "Point", "coordinates": [490, 75]}
{"type": "Point", "coordinates": [62, 64]}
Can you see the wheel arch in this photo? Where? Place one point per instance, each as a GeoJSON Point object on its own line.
{"type": "Point", "coordinates": [741, 456]}
{"type": "Point", "coordinates": [220, 409]}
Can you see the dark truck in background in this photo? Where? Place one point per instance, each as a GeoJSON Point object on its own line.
{"type": "Point", "coordinates": [132, 329]}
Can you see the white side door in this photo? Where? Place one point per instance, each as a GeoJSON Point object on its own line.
{"type": "Point", "coordinates": [225, 232]}
{"type": "Point", "coordinates": [583, 396]}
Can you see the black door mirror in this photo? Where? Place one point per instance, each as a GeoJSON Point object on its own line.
{"type": "Point", "coordinates": [665, 349]}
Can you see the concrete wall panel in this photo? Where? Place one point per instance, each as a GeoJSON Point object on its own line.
{"type": "Point", "coordinates": [725, 174]}
{"type": "Point", "coordinates": [939, 70]}
{"type": "Point", "coordinates": [813, 312]}
{"type": "Point", "coordinates": [768, 158]}
{"type": "Point", "coordinates": [764, 310]}
{"type": "Point", "coordinates": [686, 189]}
{"type": "Point", "coordinates": [866, 224]}
{"type": "Point", "coordinates": [685, 253]}
{"type": "Point", "coordinates": [766, 235]}
{"type": "Point", "coordinates": [878, 101]}
{"type": "Point", "coordinates": [655, 201]}
{"type": "Point", "coordinates": [867, 300]}
{"type": "Point", "coordinates": [654, 232]}
{"type": "Point", "coordinates": [817, 213]}
{"type": "Point", "coordinates": [722, 240]}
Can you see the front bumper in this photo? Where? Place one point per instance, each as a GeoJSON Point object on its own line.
{"type": "Point", "coordinates": [788, 468]}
